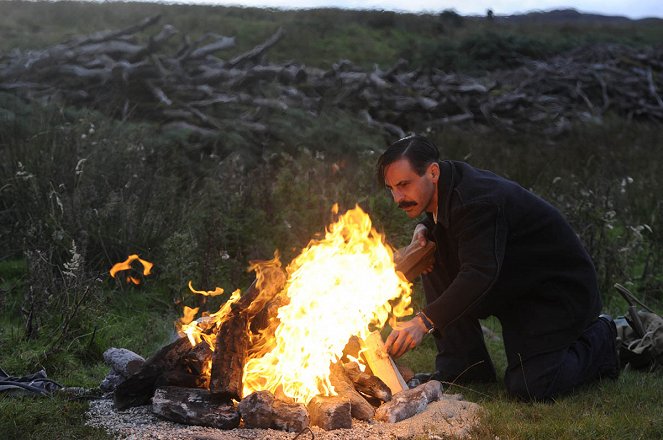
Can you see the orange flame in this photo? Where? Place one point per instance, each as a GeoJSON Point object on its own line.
{"type": "Point", "coordinates": [215, 292]}
{"type": "Point", "coordinates": [199, 330]}
{"type": "Point", "coordinates": [126, 265]}
{"type": "Point", "coordinates": [133, 280]}
{"type": "Point", "coordinates": [337, 287]}
{"type": "Point", "coordinates": [268, 275]}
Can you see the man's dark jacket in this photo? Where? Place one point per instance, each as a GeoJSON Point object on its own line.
{"type": "Point", "coordinates": [503, 251]}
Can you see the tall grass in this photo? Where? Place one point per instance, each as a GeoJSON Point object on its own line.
{"type": "Point", "coordinates": [74, 179]}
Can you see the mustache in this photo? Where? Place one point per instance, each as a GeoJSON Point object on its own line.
{"type": "Point", "coordinates": [406, 204]}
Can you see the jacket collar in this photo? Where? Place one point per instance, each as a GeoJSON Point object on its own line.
{"type": "Point", "coordinates": [444, 190]}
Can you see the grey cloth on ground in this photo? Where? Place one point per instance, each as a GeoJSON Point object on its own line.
{"type": "Point", "coordinates": [36, 384]}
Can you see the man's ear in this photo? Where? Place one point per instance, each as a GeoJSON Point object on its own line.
{"type": "Point", "coordinates": [433, 171]}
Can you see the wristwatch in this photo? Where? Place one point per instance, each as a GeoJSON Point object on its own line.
{"type": "Point", "coordinates": [427, 322]}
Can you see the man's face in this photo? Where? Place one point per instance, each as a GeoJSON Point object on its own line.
{"type": "Point", "coordinates": [413, 193]}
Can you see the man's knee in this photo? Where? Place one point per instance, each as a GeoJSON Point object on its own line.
{"type": "Point", "coordinates": [527, 387]}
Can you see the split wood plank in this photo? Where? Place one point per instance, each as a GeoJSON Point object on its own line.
{"type": "Point", "coordinates": [381, 364]}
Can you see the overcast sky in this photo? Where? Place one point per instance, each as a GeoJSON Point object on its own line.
{"type": "Point", "coordinates": [632, 9]}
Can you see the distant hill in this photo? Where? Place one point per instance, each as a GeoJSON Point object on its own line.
{"type": "Point", "coordinates": [321, 37]}
{"type": "Point", "coordinates": [571, 16]}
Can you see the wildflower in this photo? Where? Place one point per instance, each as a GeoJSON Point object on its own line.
{"type": "Point", "coordinates": [74, 264]}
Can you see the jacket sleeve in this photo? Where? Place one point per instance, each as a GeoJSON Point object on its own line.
{"type": "Point", "coordinates": [481, 232]}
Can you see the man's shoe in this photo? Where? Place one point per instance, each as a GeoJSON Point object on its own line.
{"type": "Point", "coordinates": [616, 342]}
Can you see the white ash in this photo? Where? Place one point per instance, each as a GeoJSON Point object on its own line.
{"type": "Point", "coordinates": [449, 417]}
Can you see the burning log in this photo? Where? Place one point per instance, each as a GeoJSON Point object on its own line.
{"type": "Point", "coordinates": [191, 369]}
{"type": "Point", "coordinates": [232, 346]}
{"type": "Point", "coordinates": [197, 359]}
{"type": "Point", "coordinates": [261, 323]}
{"type": "Point", "coordinates": [366, 383]}
{"type": "Point", "coordinates": [234, 337]}
{"type": "Point", "coordinates": [182, 378]}
{"type": "Point", "coordinates": [330, 412]}
{"type": "Point", "coordinates": [139, 388]}
{"type": "Point", "coordinates": [409, 402]}
{"type": "Point", "coordinates": [360, 408]}
{"type": "Point", "coordinates": [194, 406]}
{"type": "Point", "coordinates": [262, 410]}
{"type": "Point", "coordinates": [381, 364]}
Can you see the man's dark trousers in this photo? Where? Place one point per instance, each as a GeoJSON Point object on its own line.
{"type": "Point", "coordinates": [462, 357]}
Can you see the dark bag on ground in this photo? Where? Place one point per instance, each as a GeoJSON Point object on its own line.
{"type": "Point", "coordinates": [644, 352]}
{"type": "Point", "coordinates": [640, 335]}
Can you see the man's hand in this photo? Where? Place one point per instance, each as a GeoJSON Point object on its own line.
{"type": "Point", "coordinates": [405, 336]}
{"type": "Point", "coordinates": [419, 237]}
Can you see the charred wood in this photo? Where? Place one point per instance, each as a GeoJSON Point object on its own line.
{"type": "Point", "coordinates": [194, 406]}
{"type": "Point", "coordinates": [139, 388]}
{"type": "Point", "coordinates": [232, 346]}
{"type": "Point", "coordinates": [262, 410]}
{"type": "Point", "coordinates": [330, 412]}
{"type": "Point", "coordinates": [366, 383]}
{"type": "Point", "coordinates": [234, 337]}
{"type": "Point", "coordinates": [180, 377]}
{"type": "Point", "coordinates": [360, 408]}
{"type": "Point", "coordinates": [270, 280]}
{"type": "Point", "coordinates": [191, 370]}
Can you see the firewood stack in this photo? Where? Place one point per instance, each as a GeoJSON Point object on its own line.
{"type": "Point", "coordinates": [176, 382]}
{"type": "Point", "coordinates": [193, 88]}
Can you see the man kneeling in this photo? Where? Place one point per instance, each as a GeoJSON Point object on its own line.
{"type": "Point", "coordinates": [505, 252]}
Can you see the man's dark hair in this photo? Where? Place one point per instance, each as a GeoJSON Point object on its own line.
{"type": "Point", "coordinates": [417, 149]}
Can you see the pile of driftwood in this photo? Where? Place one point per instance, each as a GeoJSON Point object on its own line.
{"type": "Point", "coordinates": [187, 85]}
